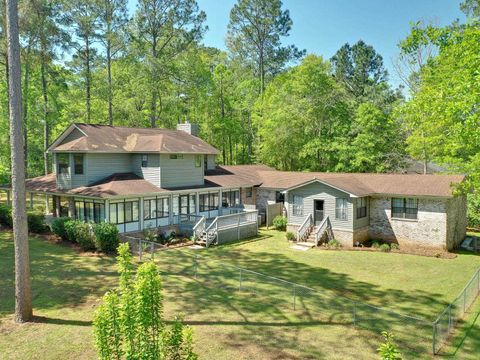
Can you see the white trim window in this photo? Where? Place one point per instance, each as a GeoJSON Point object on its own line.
{"type": "Point", "coordinates": [297, 206]}
{"type": "Point", "coordinates": [341, 205]}
{"type": "Point", "coordinates": [361, 207]}
{"type": "Point", "coordinates": [404, 208]}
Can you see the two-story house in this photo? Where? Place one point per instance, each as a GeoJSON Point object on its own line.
{"type": "Point", "coordinates": [147, 178]}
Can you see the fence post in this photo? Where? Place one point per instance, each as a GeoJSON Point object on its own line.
{"type": "Point", "coordinates": [294, 297]}
{"type": "Point", "coordinates": [240, 281]}
{"type": "Point", "coordinates": [152, 249]}
{"type": "Point", "coordinates": [434, 336]}
{"type": "Point", "coordinates": [140, 249]}
{"type": "Point", "coordinates": [354, 313]}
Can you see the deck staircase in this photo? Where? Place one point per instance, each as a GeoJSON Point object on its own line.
{"type": "Point", "coordinates": [309, 235]}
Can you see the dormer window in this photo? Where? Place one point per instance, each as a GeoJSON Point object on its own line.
{"type": "Point", "coordinates": [63, 163]}
{"type": "Point", "coordinates": [144, 160]}
{"type": "Point", "coordinates": [78, 164]}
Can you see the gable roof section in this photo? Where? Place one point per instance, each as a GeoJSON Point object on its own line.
{"type": "Point", "coordinates": [357, 184]}
{"type": "Point", "coordinates": [116, 139]}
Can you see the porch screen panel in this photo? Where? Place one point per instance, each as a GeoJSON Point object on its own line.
{"type": "Point", "coordinates": [192, 207]}
{"type": "Point", "coordinates": [79, 211]}
{"type": "Point", "coordinates": [163, 207]}
{"type": "Point", "coordinates": [203, 202]}
{"type": "Point", "coordinates": [113, 213]}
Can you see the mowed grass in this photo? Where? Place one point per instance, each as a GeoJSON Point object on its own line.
{"type": "Point", "coordinates": [239, 325]}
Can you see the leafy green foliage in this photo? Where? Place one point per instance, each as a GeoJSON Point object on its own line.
{"type": "Point", "coordinates": [106, 237]}
{"type": "Point", "coordinates": [388, 350]}
{"type": "Point", "coordinates": [334, 243]}
{"type": "Point", "coordinates": [36, 222]}
{"type": "Point", "coordinates": [384, 247]}
{"type": "Point", "coordinates": [5, 215]}
{"type": "Point", "coordinates": [80, 233]}
{"type": "Point", "coordinates": [280, 222]}
{"type": "Point", "coordinates": [129, 325]}
{"type": "Point", "coordinates": [473, 211]}
{"type": "Point", "coordinates": [290, 236]}
{"type": "Point", "coordinates": [58, 227]}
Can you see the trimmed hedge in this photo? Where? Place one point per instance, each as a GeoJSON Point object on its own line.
{"type": "Point", "coordinates": [106, 237]}
{"type": "Point", "coordinates": [58, 227]}
{"type": "Point", "coordinates": [36, 222]}
{"type": "Point", "coordinates": [81, 233]}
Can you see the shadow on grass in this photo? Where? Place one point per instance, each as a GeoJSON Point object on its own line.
{"type": "Point", "coordinates": [61, 277]}
{"type": "Point", "coordinates": [56, 321]}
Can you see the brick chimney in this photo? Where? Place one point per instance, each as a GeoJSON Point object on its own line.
{"type": "Point", "coordinates": [189, 128]}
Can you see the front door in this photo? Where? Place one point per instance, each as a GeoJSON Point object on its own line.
{"type": "Point", "coordinates": [318, 211]}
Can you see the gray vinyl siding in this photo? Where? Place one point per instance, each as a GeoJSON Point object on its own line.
{"type": "Point", "coordinates": [99, 165]}
{"type": "Point", "coordinates": [211, 162]}
{"type": "Point", "coordinates": [318, 191]}
{"type": "Point", "coordinates": [74, 135]}
{"type": "Point", "coordinates": [180, 172]}
{"type": "Point", "coordinates": [362, 222]}
{"type": "Point", "coordinates": [150, 173]}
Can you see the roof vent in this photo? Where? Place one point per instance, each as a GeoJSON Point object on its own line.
{"type": "Point", "coordinates": [192, 129]}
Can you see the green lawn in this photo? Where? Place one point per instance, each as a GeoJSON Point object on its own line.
{"type": "Point", "coordinates": [246, 325]}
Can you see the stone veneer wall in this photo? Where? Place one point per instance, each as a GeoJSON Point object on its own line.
{"type": "Point", "coordinates": [429, 230]}
{"type": "Point", "coordinates": [264, 197]}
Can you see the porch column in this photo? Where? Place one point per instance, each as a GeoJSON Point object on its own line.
{"type": "Point", "coordinates": [71, 207]}
{"type": "Point", "coordinates": [107, 211]}
{"type": "Point", "coordinates": [57, 206]}
{"type": "Point", "coordinates": [47, 205]}
{"type": "Point", "coordinates": [54, 205]}
{"type": "Point", "coordinates": [8, 197]}
{"type": "Point", "coordinates": [140, 215]}
{"type": "Point", "coordinates": [197, 203]}
{"type": "Point", "coordinates": [220, 211]}
{"type": "Point", "coordinates": [170, 213]}
{"type": "Point", "coordinates": [31, 201]}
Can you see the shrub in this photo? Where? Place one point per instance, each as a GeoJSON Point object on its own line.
{"type": "Point", "coordinates": [129, 320]}
{"type": "Point", "coordinates": [81, 233]}
{"type": "Point", "coordinates": [5, 215]}
{"type": "Point", "coordinates": [69, 226]}
{"type": "Point", "coordinates": [473, 211]}
{"type": "Point", "coordinates": [58, 227]}
{"type": "Point", "coordinates": [394, 246]}
{"type": "Point", "coordinates": [388, 350]}
{"type": "Point", "coordinates": [384, 248]}
{"type": "Point", "coordinates": [280, 222]}
{"type": "Point", "coordinates": [334, 244]}
{"type": "Point", "coordinates": [291, 236]}
{"type": "Point", "coordinates": [36, 222]}
{"type": "Point", "coordinates": [106, 237]}
{"type": "Point", "coordinates": [375, 245]}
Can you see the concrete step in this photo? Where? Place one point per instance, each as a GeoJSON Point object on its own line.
{"type": "Point", "coordinates": [305, 244]}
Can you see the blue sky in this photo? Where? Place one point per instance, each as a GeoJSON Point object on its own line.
{"type": "Point", "coordinates": [323, 26]}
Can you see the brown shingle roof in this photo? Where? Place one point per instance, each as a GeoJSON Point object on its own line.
{"type": "Point", "coordinates": [104, 138]}
{"type": "Point", "coordinates": [358, 184]}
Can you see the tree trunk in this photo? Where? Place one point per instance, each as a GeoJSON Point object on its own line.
{"type": "Point", "coordinates": [26, 80]}
{"type": "Point", "coordinates": [153, 109]}
{"type": "Point", "coordinates": [109, 77]}
{"type": "Point", "coordinates": [46, 127]}
{"type": "Point", "coordinates": [23, 295]}
{"type": "Point", "coordinates": [87, 77]}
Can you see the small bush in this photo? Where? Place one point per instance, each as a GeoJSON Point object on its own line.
{"type": "Point", "coordinates": [36, 222]}
{"type": "Point", "coordinates": [58, 227]}
{"type": "Point", "coordinates": [280, 222]}
{"type": "Point", "coordinates": [384, 248]}
{"type": "Point", "coordinates": [394, 246]}
{"type": "Point", "coordinates": [106, 237]}
{"type": "Point", "coordinates": [375, 245]}
{"type": "Point", "coordinates": [69, 226]}
{"type": "Point", "coordinates": [335, 244]}
{"type": "Point", "coordinates": [5, 215]}
{"type": "Point", "coordinates": [388, 350]}
{"type": "Point", "coordinates": [290, 236]}
{"type": "Point", "coordinates": [81, 233]}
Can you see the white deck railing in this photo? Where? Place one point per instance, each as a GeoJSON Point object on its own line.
{"type": "Point", "coordinates": [305, 227]}
{"type": "Point", "coordinates": [325, 225]}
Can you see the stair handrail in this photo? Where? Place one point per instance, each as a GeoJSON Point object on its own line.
{"type": "Point", "coordinates": [325, 225]}
{"type": "Point", "coordinates": [211, 232]}
{"type": "Point", "coordinates": [306, 225]}
{"type": "Point", "coordinates": [199, 228]}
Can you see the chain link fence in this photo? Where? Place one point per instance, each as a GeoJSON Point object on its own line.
{"type": "Point", "coordinates": [444, 325]}
{"type": "Point", "coordinates": [417, 334]}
